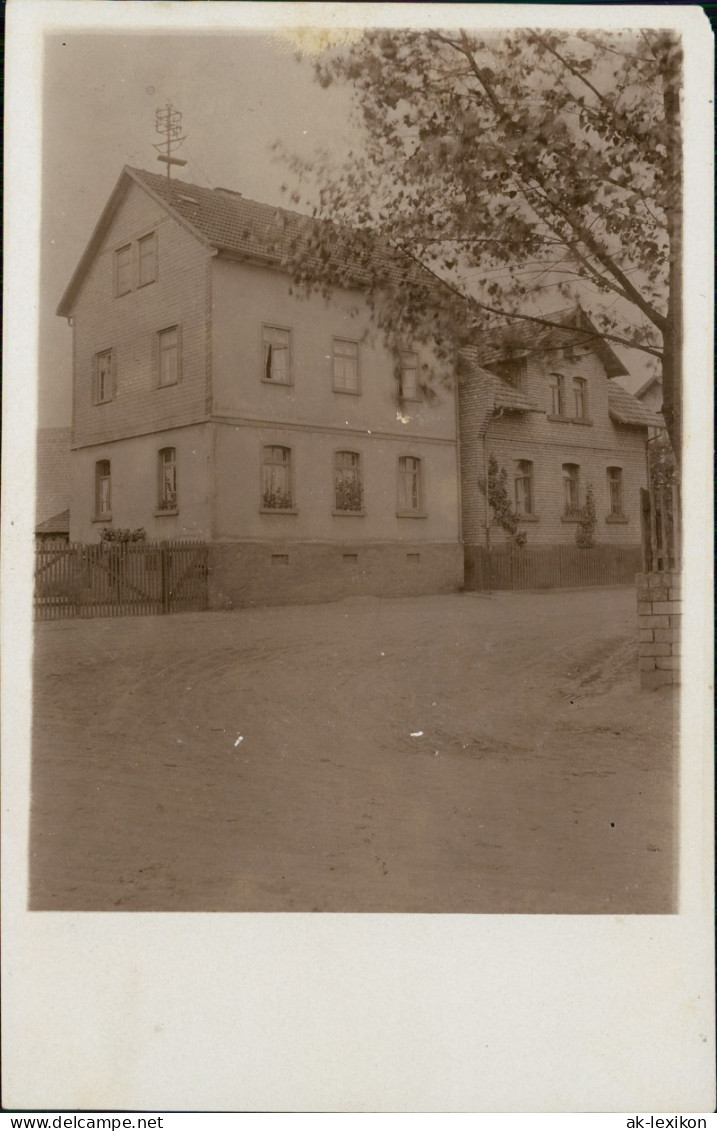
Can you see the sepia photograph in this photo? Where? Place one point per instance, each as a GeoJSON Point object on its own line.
{"type": "Point", "coordinates": [358, 536]}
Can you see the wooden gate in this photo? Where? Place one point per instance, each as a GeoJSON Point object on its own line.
{"type": "Point", "coordinates": [660, 523]}
{"type": "Point", "coordinates": [112, 579]}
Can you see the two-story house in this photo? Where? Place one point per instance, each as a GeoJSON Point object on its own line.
{"type": "Point", "coordinates": [546, 404]}
{"type": "Point", "coordinates": [215, 400]}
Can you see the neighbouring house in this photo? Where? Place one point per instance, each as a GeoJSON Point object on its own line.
{"type": "Point", "coordinates": [546, 404]}
{"type": "Point", "coordinates": [54, 529]}
{"type": "Point", "coordinates": [650, 394]}
{"type": "Point", "coordinates": [215, 400]}
{"type": "Point", "coordinates": [52, 487]}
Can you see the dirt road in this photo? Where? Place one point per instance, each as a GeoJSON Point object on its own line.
{"type": "Point", "coordinates": [468, 753]}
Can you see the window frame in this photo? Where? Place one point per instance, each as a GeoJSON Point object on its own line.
{"type": "Point", "coordinates": [508, 362]}
{"type": "Point", "coordinates": [419, 511]}
{"type": "Point", "coordinates": [571, 473]}
{"type": "Point", "coordinates": [264, 506]}
{"type": "Point", "coordinates": [109, 354]}
{"type": "Point", "coordinates": [143, 240]}
{"type": "Point", "coordinates": [557, 384]}
{"type": "Point", "coordinates": [580, 384]}
{"type": "Point", "coordinates": [521, 476]}
{"type": "Point", "coordinates": [336, 509]}
{"type": "Point", "coordinates": [118, 251]}
{"type": "Point", "coordinates": [290, 355]}
{"type": "Point", "coordinates": [619, 514]}
{"type": "Point", "coordinates": [336, 340]}
{"type": "Point", "coordinates": [176, 329]}
{"type": "Point", "coordinates": [99, 514]}
{"type": "Point", "coordinates": [402, 353]}
{"type": "Point", "coordinates": [162, 507]}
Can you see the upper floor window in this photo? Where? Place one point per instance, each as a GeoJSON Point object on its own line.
{"type": "Point", "coordinates": [410, 485]}
{"type": "Point", "coordinates": [511, 369]}
{"type": "Point", "coordinates": [614, 486]}
{"type": "Point", "coordinates": [580, 398]}
{"type": "Point", "coordinates": [348, 484]}
{"type": "Point", "coordinates": [147, 259]}
{"type": "Point", "coordinates": [123, 270]}
{"type": "Point", "coordinates": [168, 344]}
{"type": "Point", "coordinates": [135, 264]}
{"type": "Point", "coordinates": [103, 377]}
{"type": "Point", "coordinates": [571, 490]}
{"type": "Point", "coordinates": [345, 366]}
{"type": "Point", "coordinates": [276, 355]}
{"type": "Point", "coordinates": [103, 500]}
{"type": "Point", "coordinates": [167, 480]}
{"type": "Point", "coordinates": [408, 382]}
{"type": "Point", "coordinates": [276, 487]}
{"type": "Point", "coordinates": [524, 486]}
{"type": "Point", "coordinates": [557, 395]}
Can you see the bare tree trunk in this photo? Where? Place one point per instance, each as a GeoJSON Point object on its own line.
{"type": "Point", "coordinates": [672, 357]}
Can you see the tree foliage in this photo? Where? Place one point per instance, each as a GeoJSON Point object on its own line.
{"type": "Point", "coordinates": [517, 169]}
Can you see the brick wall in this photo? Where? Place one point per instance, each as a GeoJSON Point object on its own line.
{"type": "Point", "coordinates": [53, 472]}
{"type": "Point", "coordinates": [659, 614]}
{"type": "Point", "coordinates": [548, 444]}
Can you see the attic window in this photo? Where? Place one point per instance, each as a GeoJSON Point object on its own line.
{"type": "Point", "coordinates": [189, 199]}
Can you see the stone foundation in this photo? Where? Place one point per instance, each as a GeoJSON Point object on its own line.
{"type": "Point", "coordinates": [274, 573]}
{"type": "Point", "coordinates": [659, 615]}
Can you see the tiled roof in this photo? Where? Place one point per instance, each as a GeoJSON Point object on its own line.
{"type": "Point", "coordinates": [626, 409]}
{"type": "Point", "coordinates": [58, 524]}
{"type": "Point", "coordinates": [537, 338]}
{"type": "Point", "coordinates": [510, 399]}
{"type": "Point", "coordinates": [232, 223]}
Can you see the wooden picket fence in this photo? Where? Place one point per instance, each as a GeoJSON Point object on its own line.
{"type": "Point", "coordinates": [660, 514]}
{"type": "Point", "coordinates": [111, 579]}
{"type": "Point", "coordinates": [550, 567]}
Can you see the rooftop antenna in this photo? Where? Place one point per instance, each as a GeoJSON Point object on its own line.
{"type": "Point", "coordinates": [169, 123]}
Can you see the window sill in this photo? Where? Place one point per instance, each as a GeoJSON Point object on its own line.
{"type": "Point", "coordinates": [619, 518]}
{"type": "Point", "coordinates": [167, 384]}
{"type": "Point", "coordinates": [410, 400]}
{"type": "Point", "coordinates": [348, 392]}
{"type": "Point", "coordinates": [347, 513]}
{"type": "Point", "coordinates": [101, 518]}
{"type": "Point", "coordinates": [107, 400]}
{"type": "Point", "coordinates": [559, 419]}
{"type": "Point", "coordinates": [278, 384]}
{"type": "Point", "coordinates": [411, 514]}
{"type": "Point", "coordinates": [570, 518]}
{"type": "Point", "coordinates": [527, 518]}
{"type": "Point", "coordinates": [582, 420]}
{"type": "Point", "coordinates": [166, 512]}
{"type": "Point", "coordinates": [278, 510]}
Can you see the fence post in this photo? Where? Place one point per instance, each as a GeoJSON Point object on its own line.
{"type": "Point", "coordinates": [165, 579]}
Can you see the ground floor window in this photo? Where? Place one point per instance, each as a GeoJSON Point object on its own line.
{"type": "Point", "coordinates": [276, 478]}
{"type": "Point", "coordinates": [614, 485]}
{"type": "Point", "coordinates": [167, 485]}
{"type": "Point", "coordinates": [348, 486]}
{"type": "Point", "coordinates": [103, 500]}
{"type": "Point", "coordinates": [410, 487]}
{"type": "Point", "coordinates": [524, 486]}
{"type": "Point", "coordinates": [571, 490]}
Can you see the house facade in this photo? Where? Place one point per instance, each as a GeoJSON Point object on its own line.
{"type": "Point", "coordinates": [547, 406]}
{"type": "Point", "coordinates": [215, 400]}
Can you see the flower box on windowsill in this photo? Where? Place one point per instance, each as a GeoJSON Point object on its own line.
{"type": "Point", "coordinates": [166, 511]}
{"type": "Point", "coordinates": [616, 518]}
{"type": "Point", "coordinates": [411, 514]}
{"type": "Point", "coordinates": [351, 513]}
{"type": "Point", "coordinates": [278, 510]}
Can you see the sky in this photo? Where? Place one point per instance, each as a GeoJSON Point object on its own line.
{"type": "Point", "coordinates": [239, 93]}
